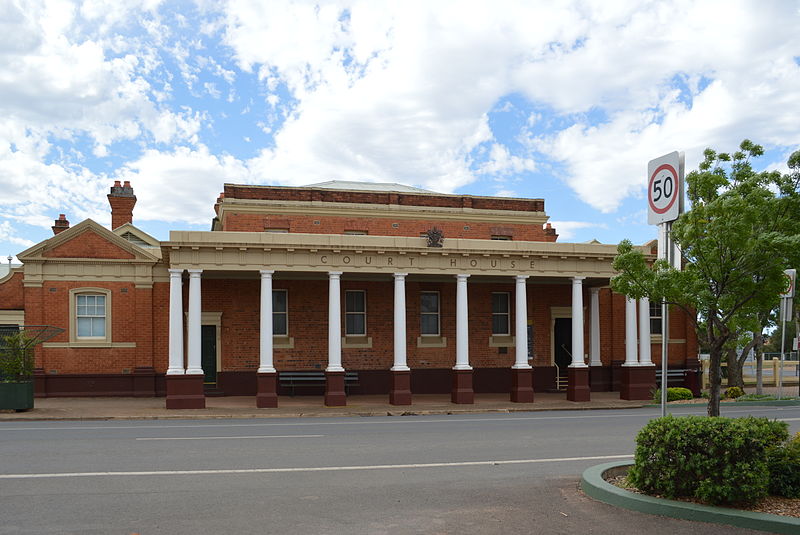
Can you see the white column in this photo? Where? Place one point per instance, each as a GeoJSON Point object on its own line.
{"type": "Point", "coordinates": [194, 364]}
{"type": "Point", "coordinates": [644, 333]}
{"type": "Point", "coordinates": [175, 322]}
{"type": "Point", "coordinates": [334, 323]}
{"type": "Point", "coordinates": [400, 364]}
{"type": "Point", "coordinates": [630, 333]}
{"type": "Point", "coordinates": [462, 326]}
{"type": "Point", "coordinates": [594, 328]}
{"type": "Point", "coordinates": [521, 324]}
{"type": "Point", "coordinates": [265, 333]}
{"type": "Point", "coordinates": [577, 323]}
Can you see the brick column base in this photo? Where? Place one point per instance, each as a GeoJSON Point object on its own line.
{"type": "Point", "coordinates": [334, 389]}
{"type": "Point", "coordinates": [185, 392]}
{"type": "Point", "coordinates": [266, 390]}
{"type": "Point", "coordinates": [522, 385]}
{"type": "Point", "coordinates": [578, 384]}
{"type": "Point", "coordinates": [638, 382]}
{"type": "Point", "coordinates": [400, 394]}
{"type": "Point", "coordinates": [462, 392]}
{"type": "Point", "coordinates": [694, 374]}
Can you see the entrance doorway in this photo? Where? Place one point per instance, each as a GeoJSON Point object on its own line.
{"type": "Point", "coordinates": [562, 338]}
{"type": "Point", "coordinates": [208, 353]}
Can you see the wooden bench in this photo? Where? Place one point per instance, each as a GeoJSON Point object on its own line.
{"type": "Point", "coordinates": [672, 376]}
{"type": "Point", "coordinates": [294, 379]}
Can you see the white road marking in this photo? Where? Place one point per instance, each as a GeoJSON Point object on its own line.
{"type": "Point", "coordinates": [229, 438]}
{"type": "Point", "coordinates": [393, 421]}
{"type": "Point", "coordinates": [307, 469]}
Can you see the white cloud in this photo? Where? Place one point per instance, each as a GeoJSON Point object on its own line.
{"type": "Point", "coordinates": [566, 230]}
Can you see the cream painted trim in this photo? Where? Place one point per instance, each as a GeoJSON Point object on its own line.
{"type": "Point", "coordinates": [79, 345]}
{"type": "Point", "coordinates": [142, 235]}
{"type": "Point", "coordinates": [282, 342]}
{"type": "Point", "coordinates": [383, 211]}
{"type": "Point", "coordinates": [501, 340]}
{"type": "Point", "coordinates": [251, 251]}
{"type": "Point", "coordinates": [12, 317]}
{"type": "Point", "coordinates": [357, 342]}
{"type": "Point", "coordinates": [431, 341]}
{"type": "Point", "coordinates": [142, 274]}
{"type": "Point", "coordinates": [215, 319]}
{"type": "Point", "coordinates": [73, 314]}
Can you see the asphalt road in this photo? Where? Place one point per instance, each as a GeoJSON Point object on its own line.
{"type": "Point", "coordinates": [483, 473]}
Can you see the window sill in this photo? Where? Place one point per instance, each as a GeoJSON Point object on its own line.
{"type": "Point", "coordinates": [357, 342]}
{"type": "Point", "coordinates": [282, 342]}
{"type": "Point", "coordinates": [98, 344]}
{"type": "Point", "coordinates": [501, 340]}
{"type": "Point", "coordinates": [431, 341]}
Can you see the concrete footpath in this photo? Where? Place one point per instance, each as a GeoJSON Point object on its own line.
{"type": "Point", "coordinates": [125, 408]}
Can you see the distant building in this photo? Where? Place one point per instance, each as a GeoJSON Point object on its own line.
{"type": "Point", "coordinates": [344, 287]}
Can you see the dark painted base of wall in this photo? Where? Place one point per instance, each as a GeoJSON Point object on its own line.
{"type": "Point", "coordinates": [600, 379]}
{"type": "Point", "coordinates": [144, 382]}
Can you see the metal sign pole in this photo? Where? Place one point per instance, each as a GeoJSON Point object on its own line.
{"type": "Point", "coordinates": [784, 313]}
{"type": "Point", "coordinates": [665, 323]}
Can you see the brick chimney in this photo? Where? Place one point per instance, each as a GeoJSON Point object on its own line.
{"type": "Point", "coordinates": [122, 201]}
{"type": "Point", "coordinates": [61, 224]}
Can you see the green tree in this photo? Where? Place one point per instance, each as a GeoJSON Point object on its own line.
{"type": "Point", "coordinates": [741, 233]}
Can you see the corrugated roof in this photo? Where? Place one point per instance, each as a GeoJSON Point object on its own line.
{"type": "Point", "coordinates": [368, 186]}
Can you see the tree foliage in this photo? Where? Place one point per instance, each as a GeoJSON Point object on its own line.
{"type": "Point", "coordinates": [741, 233]}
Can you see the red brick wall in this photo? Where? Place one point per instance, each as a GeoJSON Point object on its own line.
{"type": "Point", "coordinates": [12, 293]}
{"type": "Point", "coordinates": [377, 226]}
{"type": "Point", "coordinates": [88, 245]}
{"type": "Point", "coordinates": [233, 191]}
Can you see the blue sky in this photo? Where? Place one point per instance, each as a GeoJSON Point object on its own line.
{"type": "Point", "coordinates": [566, 101]}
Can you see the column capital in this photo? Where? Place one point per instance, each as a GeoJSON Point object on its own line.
{"type": "Point", "coordinates": [577, 280]}
{"type": "Point", "coordinates": [400, 275]}
{"type": "Point", "coordinates": [174, 272]}
{"type": "Point", "coordinates": [265, 273]}
{"type": "Point", "coordinates": [334, 274]}
{"type": "Point", "coordinates": [194, 272]}
{"type": "Point", "coordinates": [594, 289]}
{"type": "Point", "coordinates": [461, 276]}
{"type": "Point", "coordinates": [521, 278]}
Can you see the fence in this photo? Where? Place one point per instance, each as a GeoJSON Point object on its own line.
{"type": "Point", "coordinates": [789, 373]}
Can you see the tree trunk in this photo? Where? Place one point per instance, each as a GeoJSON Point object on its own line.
{"type": "Point", "coordinates": [714, 361]}
{"type": "Point", "coordinates": [759, 347]}
{"type": "Point", "coordinates": [741, 360]}
{"type": "Point", "coordinates": [734, 374]}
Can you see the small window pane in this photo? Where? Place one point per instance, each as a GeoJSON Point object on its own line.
{"type": "Point", "coordinates": [499, 324]}
{"type": "Point", "coordinates": [429, 324]}
{"type": "Point", "coordinates": [355, 324]}
{"type": "Point", "coordinates": [84, 326]}
{"type": "Point", "coordinates": [279, 324]}
{"type": "Point", "coordinates": [98, 327]}
{"type": "Point", "coordinates": [500, 303]}
{"type": "Point", "coordinates": [278, 301]}
{"type": "Point", "coordinates": [354, 301]}
{"type": "Point", "coordinates": [100, 305]}
{"type": "Point", "coordinates": [429, 302]}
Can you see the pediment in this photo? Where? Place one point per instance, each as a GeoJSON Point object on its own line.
{"type": "Point", "coordinates": [88, 240]}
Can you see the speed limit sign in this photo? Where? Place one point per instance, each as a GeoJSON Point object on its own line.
{"type": "Point", "coordinates": [664, 188]}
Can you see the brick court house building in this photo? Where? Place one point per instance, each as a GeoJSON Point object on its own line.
{"type": "Point", "coordinates": [337, 289]}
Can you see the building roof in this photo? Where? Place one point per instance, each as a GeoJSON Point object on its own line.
{"type": "Point", "coordinates": [352, 185]}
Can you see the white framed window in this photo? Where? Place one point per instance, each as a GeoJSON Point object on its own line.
{"type": "Point", "coordinates": [280, 313]}
{"type": "Point", "coordinates": [355, 313]}
{"type": "Point", "coordinates": [501, 313]}
{"type": "Point", "coordinates": [90, 315]}
{"type": "Point", "coordinates": [655, 318]}
{"type": "Point", "coordinates": [429, 314]}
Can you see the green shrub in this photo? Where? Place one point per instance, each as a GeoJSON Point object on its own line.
{"type": "Point", "coordinates": [16, 358]}
{"type": "Point", "coordinates": [733, 392]}
{"type": "Point", "coordinates": [718, 460]}
{"type": "Point", "coordinates": [783, 463]}
{"type": "Point", "coordinates": [674, 394]}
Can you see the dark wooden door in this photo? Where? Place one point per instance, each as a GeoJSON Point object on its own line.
{"type": "Point", "coordinates": [208, 353]}
{"type": "Point", "coordinates": [562, 336]}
